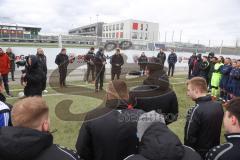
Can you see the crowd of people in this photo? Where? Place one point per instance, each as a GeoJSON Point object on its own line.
{"type": "Point", "coordinates": [222, 74]}
{"type": "Point", "coordinates": [133, 125]}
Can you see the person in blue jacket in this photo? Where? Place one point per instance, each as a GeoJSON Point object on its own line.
{"type": "Point", "coordinates": [231, 81]}
{"type": "Point", "coordinates": [225, 71]}
{"type": "Point", "coordinates": [172, 60]}
{"type": "Point", "coordinates": [236, 81]}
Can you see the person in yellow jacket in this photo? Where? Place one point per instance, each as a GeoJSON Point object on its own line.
{"type": "Point", "coordinates": [216, 78]}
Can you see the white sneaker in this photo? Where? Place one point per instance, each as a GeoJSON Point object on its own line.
{"type": "Point", "coordinates": [45, 91]}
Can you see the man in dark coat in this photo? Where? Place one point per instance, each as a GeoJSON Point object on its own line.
{"type": "Point", "coordinates": [172, 60]}
{"type": "Point", "coordinates": [191, 64]}
{"type": "Point", "coordinates": [230, 149]}
{"type": "Point", "coordinates": [116, 62]}
{"type": "Point", "coordinates": [11, 56]}
{"type": "Point", "coordinates": [42, 63]}
{"type": "Point", "coordinates": [196, 66]}
{"type": "Point", "coordinates": [204, 120]}
{"type": "Point", "coordinates": [162, 56]}
{"type": "Point", "coordinates": [30, 138]}
{"type": "Point", "coordinates": [142, 62]}
{"type": "Point", "coordinates": [109, 133]}
{"type": "Point", "coordinates": [34, 78]}
{"type": "Point", "coordinates": [89, 58]}
{"type": "Point", "coordinates": [204, 68]}
{"type": "Point", "coordinates": [155, 93]}
{"type": "Point", "coordinates": [100, 62]}
{"type": "Point", "coordinates": [157, 142]}
{"type": "Point", "coordinates": [62, 61]}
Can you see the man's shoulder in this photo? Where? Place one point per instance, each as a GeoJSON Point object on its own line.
{"type": "Point", "coordinates": [58, 152]}
{"type": "Point", "coordinates": [218, 151]}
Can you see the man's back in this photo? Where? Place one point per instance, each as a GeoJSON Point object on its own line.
{"type": "Point", "coordinates": [203, 126]}
{"type": "Point", "coordinates": [17, 143]}
{"type": "Point", "coordinates": [108, 134]}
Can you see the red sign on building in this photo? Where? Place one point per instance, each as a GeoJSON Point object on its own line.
{"type": "Point", "coordinates": [135, 26]}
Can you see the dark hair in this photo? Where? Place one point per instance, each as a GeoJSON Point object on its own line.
{"type": "Point", "coordinates": [1, 80]}
{"type": "Point", "coordinates": [234, 107]}
{"type": "Point", "coordinates": [92, 48]}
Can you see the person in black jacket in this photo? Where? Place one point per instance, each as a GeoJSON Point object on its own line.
{"type": "Point", "coordinates": [197, 66]}
{"type": "Point", "coordinates": [162, 56]}
{"type": "Point", "coordinates": [62, 61]}
{"type": "Point", "coordinates": [11, 56]}
{"type": "Point", "coordinates": [42, 63]}
{"type": "Point", "coordinates": [156, 93]}
{"type": "Point", "coordinates": [157, 142]}
{"type": "Point", "coordinates": [89, 58]}
{"type": "Point", "coordinates": [191, 64]}
{"type": "Point", "coordinates": [142, 62]}
{"type": "Point", "coordinates": [34, 78]}
{"type": "Point", "coordinates": [204, 68]}
{"type": "Point", "coordinates": [172, 60]}
{"type": "Point", "coordinates": [30, 138]}
{"type": "Point", "coordinates": [204, 120]}
{"type": "Point", "coordinates": [230, 149]}
{"type": "Point", "coordinates": [109, 133]}
{"type": "Point", "coordinates": [100, 62]}
{"type": "Point", "coordinates": [116, 62]}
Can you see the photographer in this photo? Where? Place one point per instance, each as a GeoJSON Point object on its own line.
{"type": "Point", "coordinates": [33, 77]}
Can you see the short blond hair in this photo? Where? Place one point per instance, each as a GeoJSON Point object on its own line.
{"type": "Point", "coordinates": [198, 82]}
{"type": "Point", "coordinates": [29, 112]}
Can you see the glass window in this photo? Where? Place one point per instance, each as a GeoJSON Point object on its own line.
{"type": "Point", "coordinates": [113, 35]}
{"type": "Point", "coordinates": [121, 34]}
{"type": "Point", "coordinates": [114, 27]}
{"type": "Point", "coordinates": [117, 28]}
{"type": "Point", "coordinates": [110, 27]}
{"type": "Point", "coordinates": [134, 35]}
{"type": "Point", "coordinates": [146, 27]}
{"type": "Point", "coordinates": [106, 28]}
{"type": "Point", "coordinates": [122, 25]}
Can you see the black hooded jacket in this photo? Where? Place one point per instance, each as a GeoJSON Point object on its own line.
{"type": "Point", "coordinates": [203, 125]}
{"type": "Point", "coordinates": [27, 144]}
{"type": "Point", "coordinates": [35, 78]}
{"type": "Point", "coordinates": [160, 143]}
{"type": "Point", "coordinates": [42, 62]}
{"type": "Point", "coordinates": [109, 133]}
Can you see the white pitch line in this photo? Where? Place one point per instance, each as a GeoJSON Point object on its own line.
{"type": "Point", "coordinates": [61, 94]}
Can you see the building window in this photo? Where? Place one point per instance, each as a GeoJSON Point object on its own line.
{"type": "Point", "coordinates": [117, 28]}
{"type": "Point", "coordinates": [106, 35]}
{"type": "Point", "coordinates": [114, 27]}
{"type": "Point", "coordinates": [109, 35]}
{"type": "Point", "coordinates": [113, 35]}
{"type": "Point", "coordinates": [141, 36]}
{"type": "Point", "coordinates": [117, 35]}
{"type": "Point", "coordinates": [103, 35]}
{"type": "Point", "coordinates": [146, 36]}
{"type": "Point", "coordinates": [121, 34]}
{"type": "Point", "coordinates": [141, 26]}
{"type": "Point", "coordinates": [146, 27]}
{"type": "Point", "coordinates": [110, 28]}
{"type": "Point", "coordinates": [134, 35]}
{"type": "Point", "coordinates": [106, 28]}
{"type": "Point", "coordinates": [122, 25]}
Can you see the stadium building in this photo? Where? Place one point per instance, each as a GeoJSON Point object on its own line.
{"type": "Point", "coordinates": [19, 31]}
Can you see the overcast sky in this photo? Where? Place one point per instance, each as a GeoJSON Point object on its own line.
{"type": "Point", "coordinates": [198, 19]}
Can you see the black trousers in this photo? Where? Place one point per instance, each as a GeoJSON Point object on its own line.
{"type": "Point", "coordinates": [99, 78]}
{"type": "Point", "coordinates": [190, 69]}
{"type": "Point", "coordinates": [90, 68]}
{"type": "Point", "coordinates": [5, 82]}
{"type": "Point", "coordinates": [171, 68]}
{"type": "Point", "coordinates": [113, 74]}
{"type": "Point", "coordinates": [12, 75]}
{"type": "Point", "coordinates": [63, 75]}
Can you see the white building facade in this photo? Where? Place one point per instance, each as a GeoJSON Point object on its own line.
{"type": "Point", "coordinates": [140, 32]}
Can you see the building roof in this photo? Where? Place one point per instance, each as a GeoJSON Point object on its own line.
{"type": "Point", "coordinates": [19, 25]}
